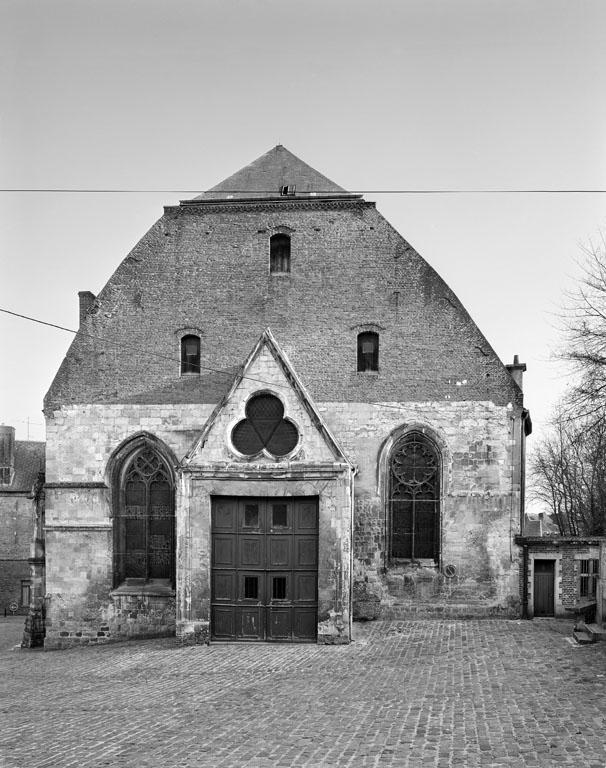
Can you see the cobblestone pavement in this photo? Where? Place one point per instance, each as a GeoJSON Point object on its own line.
{"type": "Point", "coordinates": [406, 693]}
{"type": "Point", "coordinates": [11, 631]}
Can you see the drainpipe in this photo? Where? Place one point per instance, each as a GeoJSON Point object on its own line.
{"type": "Point", "coordinates": [525, 581]}
{"type": "Point", "coordinates": [353, 471]}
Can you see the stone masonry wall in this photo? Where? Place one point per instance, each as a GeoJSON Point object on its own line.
{"type": "Point", "coordinates": [480, 505]}
{"type": "Point", "coordinates": [79, 531]}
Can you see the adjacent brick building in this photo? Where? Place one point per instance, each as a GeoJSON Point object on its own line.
{"type": "Point", "coordinates": [277, 416]}
{"type": "Point", "coordinates": [561, 574]}
{"type": "Point", "coordinates": [21, 507]}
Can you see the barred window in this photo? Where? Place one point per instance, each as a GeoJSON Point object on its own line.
{"type": "Point", "coordinates": [414, 499]}
{"type": "Point", "coordinates": [588, 578]}
{"type": "Point", "coordinates": [145, 523]}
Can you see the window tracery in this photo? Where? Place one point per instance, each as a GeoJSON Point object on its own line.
{"type": "Point", "coordinates": [145, 522]}
{"type": "Point", "coordinates": [265, 428]}
{"type": "Point", "coordinates": [414, 499]}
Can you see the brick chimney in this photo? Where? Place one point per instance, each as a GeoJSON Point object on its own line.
{"type": "Point", "coordinates": [7, 454]}
{"type": "Point", "coordinates": [87, 300]}
{"type": "Point", "coordinates": [516, 369]}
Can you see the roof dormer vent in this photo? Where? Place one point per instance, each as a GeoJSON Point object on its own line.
{"type": "Point", "coordinates": [288, 190]}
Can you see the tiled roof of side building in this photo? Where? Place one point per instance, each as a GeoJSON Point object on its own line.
{"type": "Point", "coordinates": [266, 176]}
{"type": "Point", "coordinates": [29, 462]}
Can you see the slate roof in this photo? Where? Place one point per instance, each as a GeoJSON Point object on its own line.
{"type": "Point", "coordinates": [539, 526]}
{"type": "Point", "coordinates": [265, 176]}
{"type": "Point", "coordinates": [29, 462]}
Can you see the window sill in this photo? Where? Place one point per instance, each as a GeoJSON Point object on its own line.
{"type": "Point", "coordinates": [424, 562]}
{"type": "Point", "coordinates": [154, 587]}
{"type": "Point", "coordinates": [189, 374]}
{"type": "Point", "coordinates": [368, 373]}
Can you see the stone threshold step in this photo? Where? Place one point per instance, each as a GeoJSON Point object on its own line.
{"type": "Point", "coordinates": [596, 631]}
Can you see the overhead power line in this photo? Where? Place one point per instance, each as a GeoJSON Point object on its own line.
{"type": "Point", "coordinates": [148, 353]}
{"type": "Point", "coordinates": [306, 196]}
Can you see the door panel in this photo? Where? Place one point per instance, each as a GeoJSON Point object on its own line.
{"type": "Point", "coordinates": [251, 551]}
{"type": "Point", "coordinates": [305, 624]}
{"type": "Point", "coordinates": [279, 622]}
{"type": "Point", "coordinates": [224, 551]}
{"type": "Point", "coordinates": [305, 587]}
{"type": "Point", "coordinates": [264, 569]}
{"type": "Point", "coordinates": [279, 554]}
{"type": "Point", "coordinates": [224, 515]}
{"type": "Point", "coordinates": [306, 551]}
{"type": "Point", "coordinates": [224, 586]}
{"type": "Point", "coordinates": [251, 624]}
{"type": "Point", "coordinates": [306, 517]}
{"type": "Point", "coordinates": [224, 622]}
{"type": "Point", "coordinates": [544, 578]}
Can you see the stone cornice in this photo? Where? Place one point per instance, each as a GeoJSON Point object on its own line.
{"type": "Point", "coordinates": [551, 542]}
{"type": "Point", "coordinates": [78, 527]}
{"type": "Point", "coordinates": [255, 204]}
{"type": "Point", "coordinates": [83, 484]}
{"type": "Point", "coordinates": [260, 472]}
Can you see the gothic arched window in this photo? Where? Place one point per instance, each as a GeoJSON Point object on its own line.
{"type": "Point", "coordinates": [414, 499]}
{"type": "Point", "coordinates": [145, 520]}
{"type": "Point", "coordinates": [279, 253]}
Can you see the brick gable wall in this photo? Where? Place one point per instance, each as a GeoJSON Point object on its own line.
{"type": "Point", "coordinates": [207, 267]}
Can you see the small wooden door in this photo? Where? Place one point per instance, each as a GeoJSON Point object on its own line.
{"type": "Point", "coordinates": [264, 569]}
{"type": "Point", "coordinates": [544, 578]}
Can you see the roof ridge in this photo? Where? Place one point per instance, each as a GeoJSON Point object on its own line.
{"type": "Point", "coordinates": [278, 173]}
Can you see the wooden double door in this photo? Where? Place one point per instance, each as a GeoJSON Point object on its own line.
{"type": "Point", "coordinates": [264, 569]}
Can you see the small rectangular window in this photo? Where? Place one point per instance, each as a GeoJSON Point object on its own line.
{"type": "Point", "coordinates": [251, 515]}
{"type": "Point", "coordinates": [26, 592]}
{"type": "Point", "coordinates": [190, 354]}
{"type": "Point", "coordinates": [588, 578]}
{"type": "Point", "coordinates": [279, 253]}
{"type": "Point", "coordinates": [279, 516]}
{"type": "Point", "coordinates": [368, 351]}
{"type": "Point", "coordinates": [279, 588]}
{"type": "Point", "coordinates": [288, 189]}
{"type": "Point", "coordinates": [251, 587]}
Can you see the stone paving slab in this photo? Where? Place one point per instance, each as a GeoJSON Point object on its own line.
{"type": "Point", "coordinates": [406, 693]}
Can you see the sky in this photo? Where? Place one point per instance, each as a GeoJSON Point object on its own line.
{"type": "Point", "coordinates": [404, 95]}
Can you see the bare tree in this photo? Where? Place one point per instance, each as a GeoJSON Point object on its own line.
{"type": "Point", "coordinates": [569, 468]}
{"type": "Point", "coordinates": [585, 330]}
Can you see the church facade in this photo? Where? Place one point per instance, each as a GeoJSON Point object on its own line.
{"type": "Point", "coordinates": [275, 418]}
